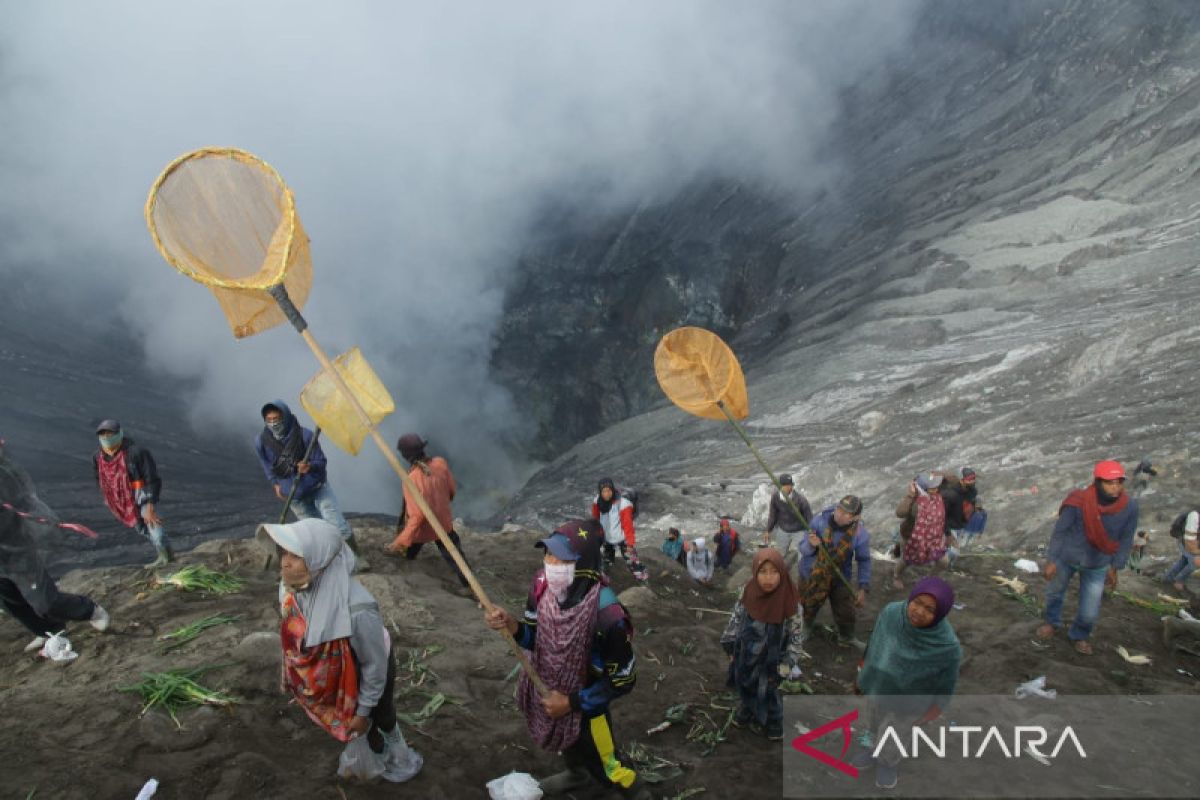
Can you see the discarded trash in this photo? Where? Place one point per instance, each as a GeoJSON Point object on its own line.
{"type": "Point", "coordinates": [1139, 659]}
{"type": "Point", "coordinates": [1183, 614]}
{"type": "Point", "coordinates": [514, 786]}
{"type": "Point", "coordinates": [1185, 672]}
{"type": "Point", "coordinates": [1017, 586]}
{"type": "Point", "coordinates": [1036, 688]}
{"type": "Point", "coordinates": [148, 790]}
{"type": "Point", "coordinates": [58, 648]}
{"type": "Point", "coordinates": [959, 606]}
{"type": "Point", "coordinates": [1025, 565]}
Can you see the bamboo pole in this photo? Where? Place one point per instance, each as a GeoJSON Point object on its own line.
{"type": "Point", "coordinates": [419, 499]}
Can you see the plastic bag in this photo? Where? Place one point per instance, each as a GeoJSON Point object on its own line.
{"type": "Point", "coordinates": [401, 760]}
{"type": "Point", "coordinates": [397, 763]}
{"type": "Point", "coordinates": [1036, 688]}
{"type": "Point", "coordinates": [148, 790]}
{"type": "Point", "coordinates": [1025, 565]}
{"type": "Point", "coordinates": [58, 648]}
{"type": "Point", "coordinates": [359, 761]}
{"type": "Point", "coordinates": [514, 786]}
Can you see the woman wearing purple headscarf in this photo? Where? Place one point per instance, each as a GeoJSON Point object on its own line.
{"type": "Point", "coordinates": [910, 668]}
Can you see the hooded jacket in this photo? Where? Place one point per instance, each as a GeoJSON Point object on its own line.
{"type": "Point", "coordinates": [278, 460]}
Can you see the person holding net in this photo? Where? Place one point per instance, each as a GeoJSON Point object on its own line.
{"type": "Point", "coordinates": [289, 455]}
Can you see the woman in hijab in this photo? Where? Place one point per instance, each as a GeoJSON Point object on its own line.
{"type": "Point", "coordinates": [923, 530]}
{"type": "Point", "coordinates": [910, 668]}
{"type": "Point", "coordinates": [762, 641]}
{"type": "Point", "coordinates": [337, 656]}
{"type": "Point", "coordinates": [580, 638]}
{"type": "Point", "coordinates": [700, 562]}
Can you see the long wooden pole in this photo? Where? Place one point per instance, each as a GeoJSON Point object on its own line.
{"type": "Point", "coordinates": [822, 551]}
{"type": "Point", "coordinates": [419, 499]}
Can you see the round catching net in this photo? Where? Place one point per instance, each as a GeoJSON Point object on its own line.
{"type": "Point", "coordinates": [698, 371]}
{"type": "Point", "coordinates": [226, 219]}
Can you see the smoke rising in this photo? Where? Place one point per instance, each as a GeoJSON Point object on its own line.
{"type": "Point", "coordinates": [420, 140]}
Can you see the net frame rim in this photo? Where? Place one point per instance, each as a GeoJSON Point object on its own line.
{"type": "Point", "coordinates": [206, 278]}
{"type": "Point", "coordinates": [739, 373]}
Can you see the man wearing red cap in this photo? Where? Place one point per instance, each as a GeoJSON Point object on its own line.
{"type": "Point", "coordinates": [1093, 536]}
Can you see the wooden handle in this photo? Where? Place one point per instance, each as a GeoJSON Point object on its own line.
{"type": "Point", "coordinates": [417, 497]}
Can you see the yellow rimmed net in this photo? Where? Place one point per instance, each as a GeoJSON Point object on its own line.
{"type": "Point", "coordinates": [698, 372]}
{"type": "Point", "coordinates": [225, 218]}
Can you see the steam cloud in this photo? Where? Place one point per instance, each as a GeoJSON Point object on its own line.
{"type": "Point", "coordinates": [421, 140]}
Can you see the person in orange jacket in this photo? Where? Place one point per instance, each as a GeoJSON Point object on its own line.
{"type": "Point", "coordinates": [435, 482]}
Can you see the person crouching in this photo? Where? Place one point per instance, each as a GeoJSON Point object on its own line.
{"type": "Point", "coordinates": [579, 635]}
{"type": "Point", "coordinates": [337, 656]}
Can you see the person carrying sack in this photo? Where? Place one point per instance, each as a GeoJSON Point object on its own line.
{"type": "Point", "coordinates": [337, 655]}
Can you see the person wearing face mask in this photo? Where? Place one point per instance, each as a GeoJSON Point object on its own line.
{"type": "Point", "coordinates": [910, 670]}
{"type": "Point", "coordinates": [281, 446]}
{"type": "Point", "coordinates": [581, 641]}
{"type": "Point", "coordinates": [1093, 536]}
{"type": "Point", "coordinates": [337, 655]}
{"type": "Point", "coordinates": [129, 482]}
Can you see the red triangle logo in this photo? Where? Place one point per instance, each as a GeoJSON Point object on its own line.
{"type": "Point", "coordinates": [843, 722]}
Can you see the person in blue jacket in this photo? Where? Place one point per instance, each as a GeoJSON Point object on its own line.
{"type": "Point", "coordinates": [281, 446]}
{"type": "Point", "coordinates": [840, 532]}
{"type": "Point", "coordinates": [1093, 537]}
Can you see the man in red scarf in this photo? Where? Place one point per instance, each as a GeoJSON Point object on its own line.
{"type": "Point", "coordinates": [1093, 536]}
{"type": "Point", "coordinates": [128, 480]}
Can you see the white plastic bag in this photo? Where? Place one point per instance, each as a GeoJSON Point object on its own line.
{"type": "Point", "coordinates": [401, 760]}
{"type": "Point", "coordinates": [1036, 688]}
{"type": "Point", "coordinates": [514, 786]}
{"type": "Point", "coordinates": [148, 790]}
{"type": "Point", "coordinates": [359, 761]}
{"type": "Point", "coordinates": [1025, 565]}
{"type": "Point", "coordinates": [58, 648]}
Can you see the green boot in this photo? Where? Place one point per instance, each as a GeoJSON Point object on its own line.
{"type": "Point", "coordinates": [165, 556]}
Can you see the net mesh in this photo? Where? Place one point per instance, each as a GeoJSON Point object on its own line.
{"type": "Point", "coordinates": [328, 406]}
{"type": "Point", "coordinates": [226, 219]}
{"type": "Point", "coordinates": [696, 370]}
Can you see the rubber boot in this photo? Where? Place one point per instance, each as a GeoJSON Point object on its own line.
{"type": "Point", "coordinates": [360, 561]}
{"type": "Point", "coordinates": [165, 556]}
{"type": "Point", "coordinates": [570, 778]}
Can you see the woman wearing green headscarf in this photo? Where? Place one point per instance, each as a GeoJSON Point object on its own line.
{"type": "Point", "coordinates": [910, 668]}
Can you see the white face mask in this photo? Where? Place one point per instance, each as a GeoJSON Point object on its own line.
{"type": "Point", "coordinates": [559, 578]}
